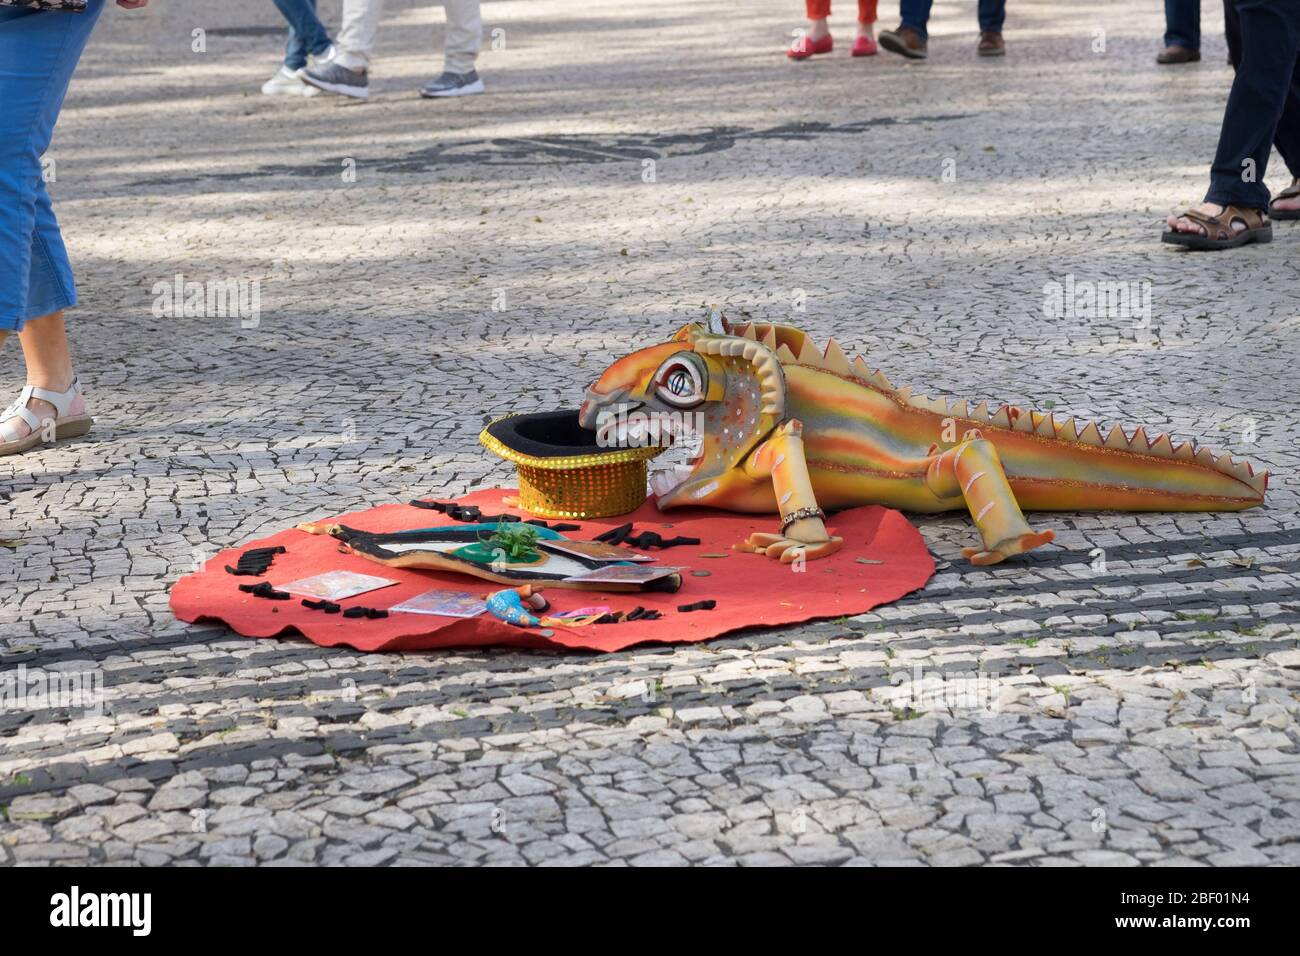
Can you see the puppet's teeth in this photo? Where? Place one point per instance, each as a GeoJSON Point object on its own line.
{"type": "Point", "coordinates": [1117, 439]}
{"type": "Point", "coordinates": [661, 483]}
{"type": "Point", "coordinates": [664, 482]}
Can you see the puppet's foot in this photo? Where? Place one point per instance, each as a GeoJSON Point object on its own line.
{"type": "Point", "coordinates": [1005, 549]}
{"type": "Point", "coordinates": [787, 550]}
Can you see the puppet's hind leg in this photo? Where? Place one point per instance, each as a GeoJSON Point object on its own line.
{"type": "Point", "coordinates": [971, 470]}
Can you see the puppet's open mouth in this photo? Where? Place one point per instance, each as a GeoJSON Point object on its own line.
{"type": "Point", "coordinates": [617, 423]}
{"type": "Point", "coordinates": [681, 441]}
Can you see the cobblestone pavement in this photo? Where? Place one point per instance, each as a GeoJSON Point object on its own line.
{"type": "Point", "coordinates": [1142, 674]}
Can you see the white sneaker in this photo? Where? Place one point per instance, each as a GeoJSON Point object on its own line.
{"type": "Point", "coordinates": [287, 82]}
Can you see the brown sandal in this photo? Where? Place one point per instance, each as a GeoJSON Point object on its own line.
{"type": "Point", "coordinates": [1291, 192]}
{"type": "Point", "coordinates": [1219, 230]}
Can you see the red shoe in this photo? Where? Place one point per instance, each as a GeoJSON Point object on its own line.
{"type": "Point", "coordinates": [864, 46]}
{"type": "Point", "coordinates": [802, 48]}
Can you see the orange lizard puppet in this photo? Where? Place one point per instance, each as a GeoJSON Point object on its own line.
{"type": "Point", "coordinates": [789, 428]}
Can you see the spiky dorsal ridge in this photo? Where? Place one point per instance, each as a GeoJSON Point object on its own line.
{"type": "Point", "coordinates": [1009, 417]}
{"type": "Point", "coordinates": [832, 359]}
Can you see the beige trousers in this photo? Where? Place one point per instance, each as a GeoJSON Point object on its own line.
{"type": "Point", "coordinates": [356, 37]}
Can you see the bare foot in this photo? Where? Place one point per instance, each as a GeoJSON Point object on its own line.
{"type": "Point", "coordinates": [787, 550]}
{"type": "Point", "coordinates": [817, 29]}
{"type": "Point", "coordinates": [18, 427]}
{"type": "Point", "coordinates": [1182, 224]}
{"type": "Point", "coordinates": [1292, 202]}
{"type": "Point", "coordinates": [1005, 549]}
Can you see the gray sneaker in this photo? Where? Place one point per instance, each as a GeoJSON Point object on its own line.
{"type": "Point", "coordinates": [333, 78]}
{"type": "Point", "coordinates": [454, 84]}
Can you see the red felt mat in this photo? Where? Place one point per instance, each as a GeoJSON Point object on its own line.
{"type": "Point", "coordinates": [751, 590]}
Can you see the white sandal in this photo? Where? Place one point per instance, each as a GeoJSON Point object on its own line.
{"type": "Point", "coordinates": [71, 420]}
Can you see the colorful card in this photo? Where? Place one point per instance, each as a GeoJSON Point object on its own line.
{"type": "Point", "coordinates": [444, 603]}
{"type": "Point", "coordinates": [336, 585]}
{"type": "Point", "coordinates": [596, 610]}
{"type": "Point", "coordinates": [623, 574]}
{"type": "Point", "coordinates": [592, 550]}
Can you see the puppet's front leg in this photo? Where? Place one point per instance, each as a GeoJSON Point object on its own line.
{"type": "Point", "coordinates": [803, 532]}
{"type": "Point", "coordinates": [973, 471]}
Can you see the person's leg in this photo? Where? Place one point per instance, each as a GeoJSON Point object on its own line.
{"type": "Point", "coordinates": [295, 50]}
{"type": "Point", "coordinates": [1269, 36]}
{"type": "Point", "coordinates": [357, 32]}
{"type": "Point", "coordinates": [460, 50]}
{"type": "Point", "coordinates": [302, 20]}
{"type": "Point", "coordinates": [464, 36]}
{"type": "Point", "coordinates": [38, 53]}
{"type": "Point", "coordinates": [915, 14]}
{"type": "Point", "coordinates": [1232, 33]}
{"type": "Point", "coordinates": [295, 47]}
{"type": "Point", "coordinates": [1268, 40]}
{"type": "Point", "coordinates": [45, 350]}
{"type": "Point", "coordinates": [1183, 24]}
{"type": "Point", "coordinates": [818, 12]}
{"type": "Point", "coordinates": [1287, 138]}
{"type": "Point", "coordinates": [866, 17]}
{"type": "Point", "coordinates": [992, 14]}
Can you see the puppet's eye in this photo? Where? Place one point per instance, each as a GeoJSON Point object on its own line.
{"type": "Point", "coordinates": [680, 382]}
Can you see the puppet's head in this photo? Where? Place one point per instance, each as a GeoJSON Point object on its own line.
{"type": "Point", "coordinates": [716, 392]}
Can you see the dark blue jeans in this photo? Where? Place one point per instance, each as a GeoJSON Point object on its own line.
{"type": "Point", "coordinates": [916, 14]}
{"type": "Point", "coordinates": [1183, 23]}
{"type": "Point", "coordinates": [1264, 105]}
{"type": "Point", "coordinates": [307, 35]}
